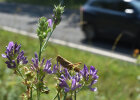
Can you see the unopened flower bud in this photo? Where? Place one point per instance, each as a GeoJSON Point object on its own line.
{"type": "Point", "coordinates": [58, 11]}
{"type": "Point", "coordinates": [44, 27]}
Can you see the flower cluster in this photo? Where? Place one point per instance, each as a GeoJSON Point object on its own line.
{"type": "Point", "coordinates": [58, 11]}
{"type": "Point", "coordinates": [14, 56]}
{"type": "Point", "coordinates": [70, 77]}
{"type": "Point", "coordinates": [90, 76]}
{"type": "Point", "coordinates": [44, 27]}
{"type": "Point", "coordinates": [76, 80]}
{"type": "Point", "coordinates": [41, 67]}
{"type": "Point", "coordinates": [68, 82]}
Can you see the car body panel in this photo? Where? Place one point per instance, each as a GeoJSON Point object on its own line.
{"type": "Point", "coordinates": [110, 23]}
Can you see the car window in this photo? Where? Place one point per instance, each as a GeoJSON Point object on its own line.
{"type": "Point", "coordinates": [104, 4]}
{"type": "Point", "coordinates": [123, 6]}
{"type": "Point", "coordinates": [115, 6]}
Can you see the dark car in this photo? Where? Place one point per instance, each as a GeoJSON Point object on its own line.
{"type": "Point", "coordinates": [111, 18]}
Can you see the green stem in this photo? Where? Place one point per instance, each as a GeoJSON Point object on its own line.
{"type": "Point", "coordinates": [38, 94]}
{"type": "Point", "coordinates": [74, 95]}
{"type": "Point", "coordinates": [38, 89]}
{"type": "Point", "coordinates": [20, 74]}
{"type": "Point", "coordinates": [58, 96]}
{"type": "Point", "coordinates": [55, 96]}
{"type": "Point", "coordinates": [31, 94]}
{"type": "Point", "coordinates": [40, 49]}
{"type": "Point", "coordinates": [65, 96]}
{"type": "Point", "coordinates": [45, 44]}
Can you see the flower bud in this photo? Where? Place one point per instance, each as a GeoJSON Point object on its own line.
{"type": "Point", "coordinates": [58, 11]}
{"type": "Point", "coordinates": [44, 27]}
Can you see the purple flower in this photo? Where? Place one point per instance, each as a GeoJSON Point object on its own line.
{"type": "Point", "coordinates": [57, 69]}
{"type": "Point", "coordinates": [49, 22]}
{"type": "Point", "coordinates": [35, 61]}
{"type": "Point", "coordinates": [90, 76]}
{"type": "Point", "coordinates": [68, 82]}
{"type": "Point", "coordinates": [40, 66]}
{"type": "Point", "coordinates": [14, 56]}
{"type": "Point", "coordinates": [48, 67]}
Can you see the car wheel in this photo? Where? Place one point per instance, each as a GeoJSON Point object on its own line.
{"type": "Point", "coordinates": [89, 32]}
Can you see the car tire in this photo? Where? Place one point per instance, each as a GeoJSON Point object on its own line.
{"type": "Point", "coordinates": [89, 32]}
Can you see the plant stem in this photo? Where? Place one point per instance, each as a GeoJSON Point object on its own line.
{"type": "Point", "coordinates": [55, 96]}
{"type": "Point", "coordinates": [40, 49]}
{"type": "Point", "coordinates": [31, 94]}
{"type": "Point", "coordinates": [45, 44]}
{"type": "Point", "coordinates": [20, 74]}
{"type": "Point", "coordinates": [74, 95]}
{"type": "Point", "coordinates": [38, 94]}
{"type": "Point", "coordinates": [38, 89]}
{"type": "Point", "coordinates": [65, 96]}
{"type": "Point", "coordinates": [58, 96]}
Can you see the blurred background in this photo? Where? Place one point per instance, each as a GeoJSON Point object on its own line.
{"type": "Point", "coordinates": [108, 25]}
{"type": "Point", "coordinates": [86, 22]}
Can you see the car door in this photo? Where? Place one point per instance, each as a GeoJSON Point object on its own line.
{"type": "Point", "coordinates": [126, 19]}
{"type": "Point", "coordinates": [106, 20]}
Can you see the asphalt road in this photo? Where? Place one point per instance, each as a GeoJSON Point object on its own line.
{"type": "Point", "coordinates": [25, 17]}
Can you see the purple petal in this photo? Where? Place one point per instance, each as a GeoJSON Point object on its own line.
{"type": "Point", "coordinates": [17, 48]}
{"type": "Point", "coordinates": [79, 85]}
{"type": "Point", "coordinates": [55, 68]}
{"type": "Point", "coordinates": [10, 45]}
{"type": "Point", "coordinates": [85, 71]}
{"type": "Point", "coordinates": [49, 22]}
{"type": "Point", "coordinates": [47, 65]}
{"type": "Point", "coordinates": [42, 62]}
{"type": "Point", "coordinates": [4, 56]}
{"type": "Point", "coordinates": [73, 86]}
{"type": "Point", "coordinates": [49, 71]}
{"type": "Point", "coordinates": [11, 64]}
{"type": "Point", "coordinates": [63, 83]}
{"type": "Point", "coordinates": [25, 61]}
{"type": "Point", "coordinates": [36, 62]}
{"type": "Point", "coordinates": [93, 82]}
{"type": "Point", "coordinates": [67, 75]}
{"type": "Point", "coordinates": [77, 77]}
{"type": "Point", "coordinates": [36, 56]}
{"type": "Point", "coordinates": [92, 69]}
{"type": "Point", "coordinates": [33, 60]}
{"type": "Point", "coordinates": [93, 89]}
{"type": "Point", "coordinates": [66, 89]}
{"type": "Point", "coordinates": [96, 77]}
{"type": "Point", "coordinates": [63, 77]}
